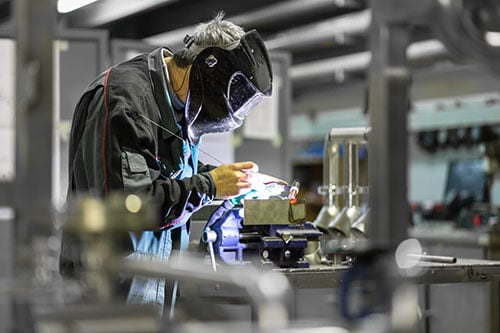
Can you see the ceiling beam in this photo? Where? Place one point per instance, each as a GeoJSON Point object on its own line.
{"type": "Point", "coordinates": [337, 29]}
{"type": "Point", "coordinates": [338, 67]}
{"type": "Point", "coordinates": [106, 11]}
{"type": "Point", "coordinates": [268, 15]}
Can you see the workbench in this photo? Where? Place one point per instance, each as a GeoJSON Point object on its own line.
{"type": "Point", "coordinates": [464, 270]}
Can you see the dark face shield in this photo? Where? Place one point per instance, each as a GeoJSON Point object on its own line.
{"type": "Point", "coordinates": [225, 85]}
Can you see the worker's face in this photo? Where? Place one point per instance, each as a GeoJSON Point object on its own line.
{"type": "Point", "coordinates": [225, 85]}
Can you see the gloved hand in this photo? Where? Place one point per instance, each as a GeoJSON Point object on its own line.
{"type": "Point", "coordinates": [233, 179]}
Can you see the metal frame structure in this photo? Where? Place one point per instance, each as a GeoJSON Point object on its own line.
{"type": "Point", "coordinates": [31, 196]}
{"type": "Point", "coordinates": [389, 81]}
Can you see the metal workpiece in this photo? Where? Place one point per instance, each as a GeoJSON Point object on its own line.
{"type": "Point", "coordinates": [358, 227]}
{"type": "Point", "coordinates": [341, 223]}
{"type": "Point", "coordinates": [326, 215]}
{"type": "Point", "coordinates": [265, 212]}
{"type": "Point", "coordinates": [332, 188]}
{"type": "Point", "coordinates": [333, 219]}
{"type": "Point", "coordinates": [337, 242]}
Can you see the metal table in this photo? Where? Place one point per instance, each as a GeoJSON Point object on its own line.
{"type": "Point", "coordinates": [464, 270]}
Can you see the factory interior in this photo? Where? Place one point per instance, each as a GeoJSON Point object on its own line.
{"type": "Point", "coordinates": [384, 121]}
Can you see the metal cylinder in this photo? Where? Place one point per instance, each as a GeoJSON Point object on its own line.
{"type": "Point", "coordinates": [351, 174]}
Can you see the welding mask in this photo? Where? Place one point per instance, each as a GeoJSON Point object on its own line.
{"type": "Point", "coordinates": [225, 85]}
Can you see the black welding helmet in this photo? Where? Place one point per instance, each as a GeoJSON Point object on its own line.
{"type": "Point", "coordinates": [225, 84]}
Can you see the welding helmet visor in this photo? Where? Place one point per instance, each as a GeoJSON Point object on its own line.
{"type": "Point", "coordinates": [225, 85]}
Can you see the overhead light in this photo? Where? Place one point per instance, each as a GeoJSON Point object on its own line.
{"type": "Point", "coordinates": [493, 38]}
{"type": "Point", "coordinates": [66, 6]}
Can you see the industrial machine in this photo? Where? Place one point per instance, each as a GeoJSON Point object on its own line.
{"type": "Point", "coordinates": [266, 227]}
{"type": "Point", "coordinates": [343, 224]}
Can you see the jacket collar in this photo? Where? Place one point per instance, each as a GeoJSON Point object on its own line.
{"type": "Point", "coordinates": [156, 67]}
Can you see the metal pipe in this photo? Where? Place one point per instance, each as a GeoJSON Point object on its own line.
{"type": "Point", "coordinates": [464, 37]}
{"type": "Point", "coordinates": [351, 173]}
{"type": "Point", "coordinates": [331, 160]}
{"type": "Point", "coordinates": [352, 134]}
{"type": "Point", "coordinates": [432, 258]}
{"type": "Point", "coordinates": [330, 171]}
{"type": "Point", "coordinates": [267, 291]}
{"type": "Point", "coordinates": [289, 10]}
{"type": "Point", "coordinates": [337, 29]}
{"type": "Point", "coordinates": [355, 62]}
{"type": "Point", "coordinates": [268, 15]}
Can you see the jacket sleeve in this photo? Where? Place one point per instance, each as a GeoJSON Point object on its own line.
{"type": "Point", "coordinates": [205, 167]}
{"type": "Point", "coordinates": [120, 153]}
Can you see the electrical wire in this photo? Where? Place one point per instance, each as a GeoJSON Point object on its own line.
{"type": "Point", "coordinates": [180, 138]}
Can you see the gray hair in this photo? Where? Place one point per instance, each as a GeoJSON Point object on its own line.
{"type": "Point", "coordinates": [216, 32]}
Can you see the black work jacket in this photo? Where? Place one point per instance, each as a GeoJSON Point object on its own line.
{"type": "Point", "coordinates": [113, 147]}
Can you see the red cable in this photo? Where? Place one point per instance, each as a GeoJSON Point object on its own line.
{"type": "Point", "coordinates": [104, 132]}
